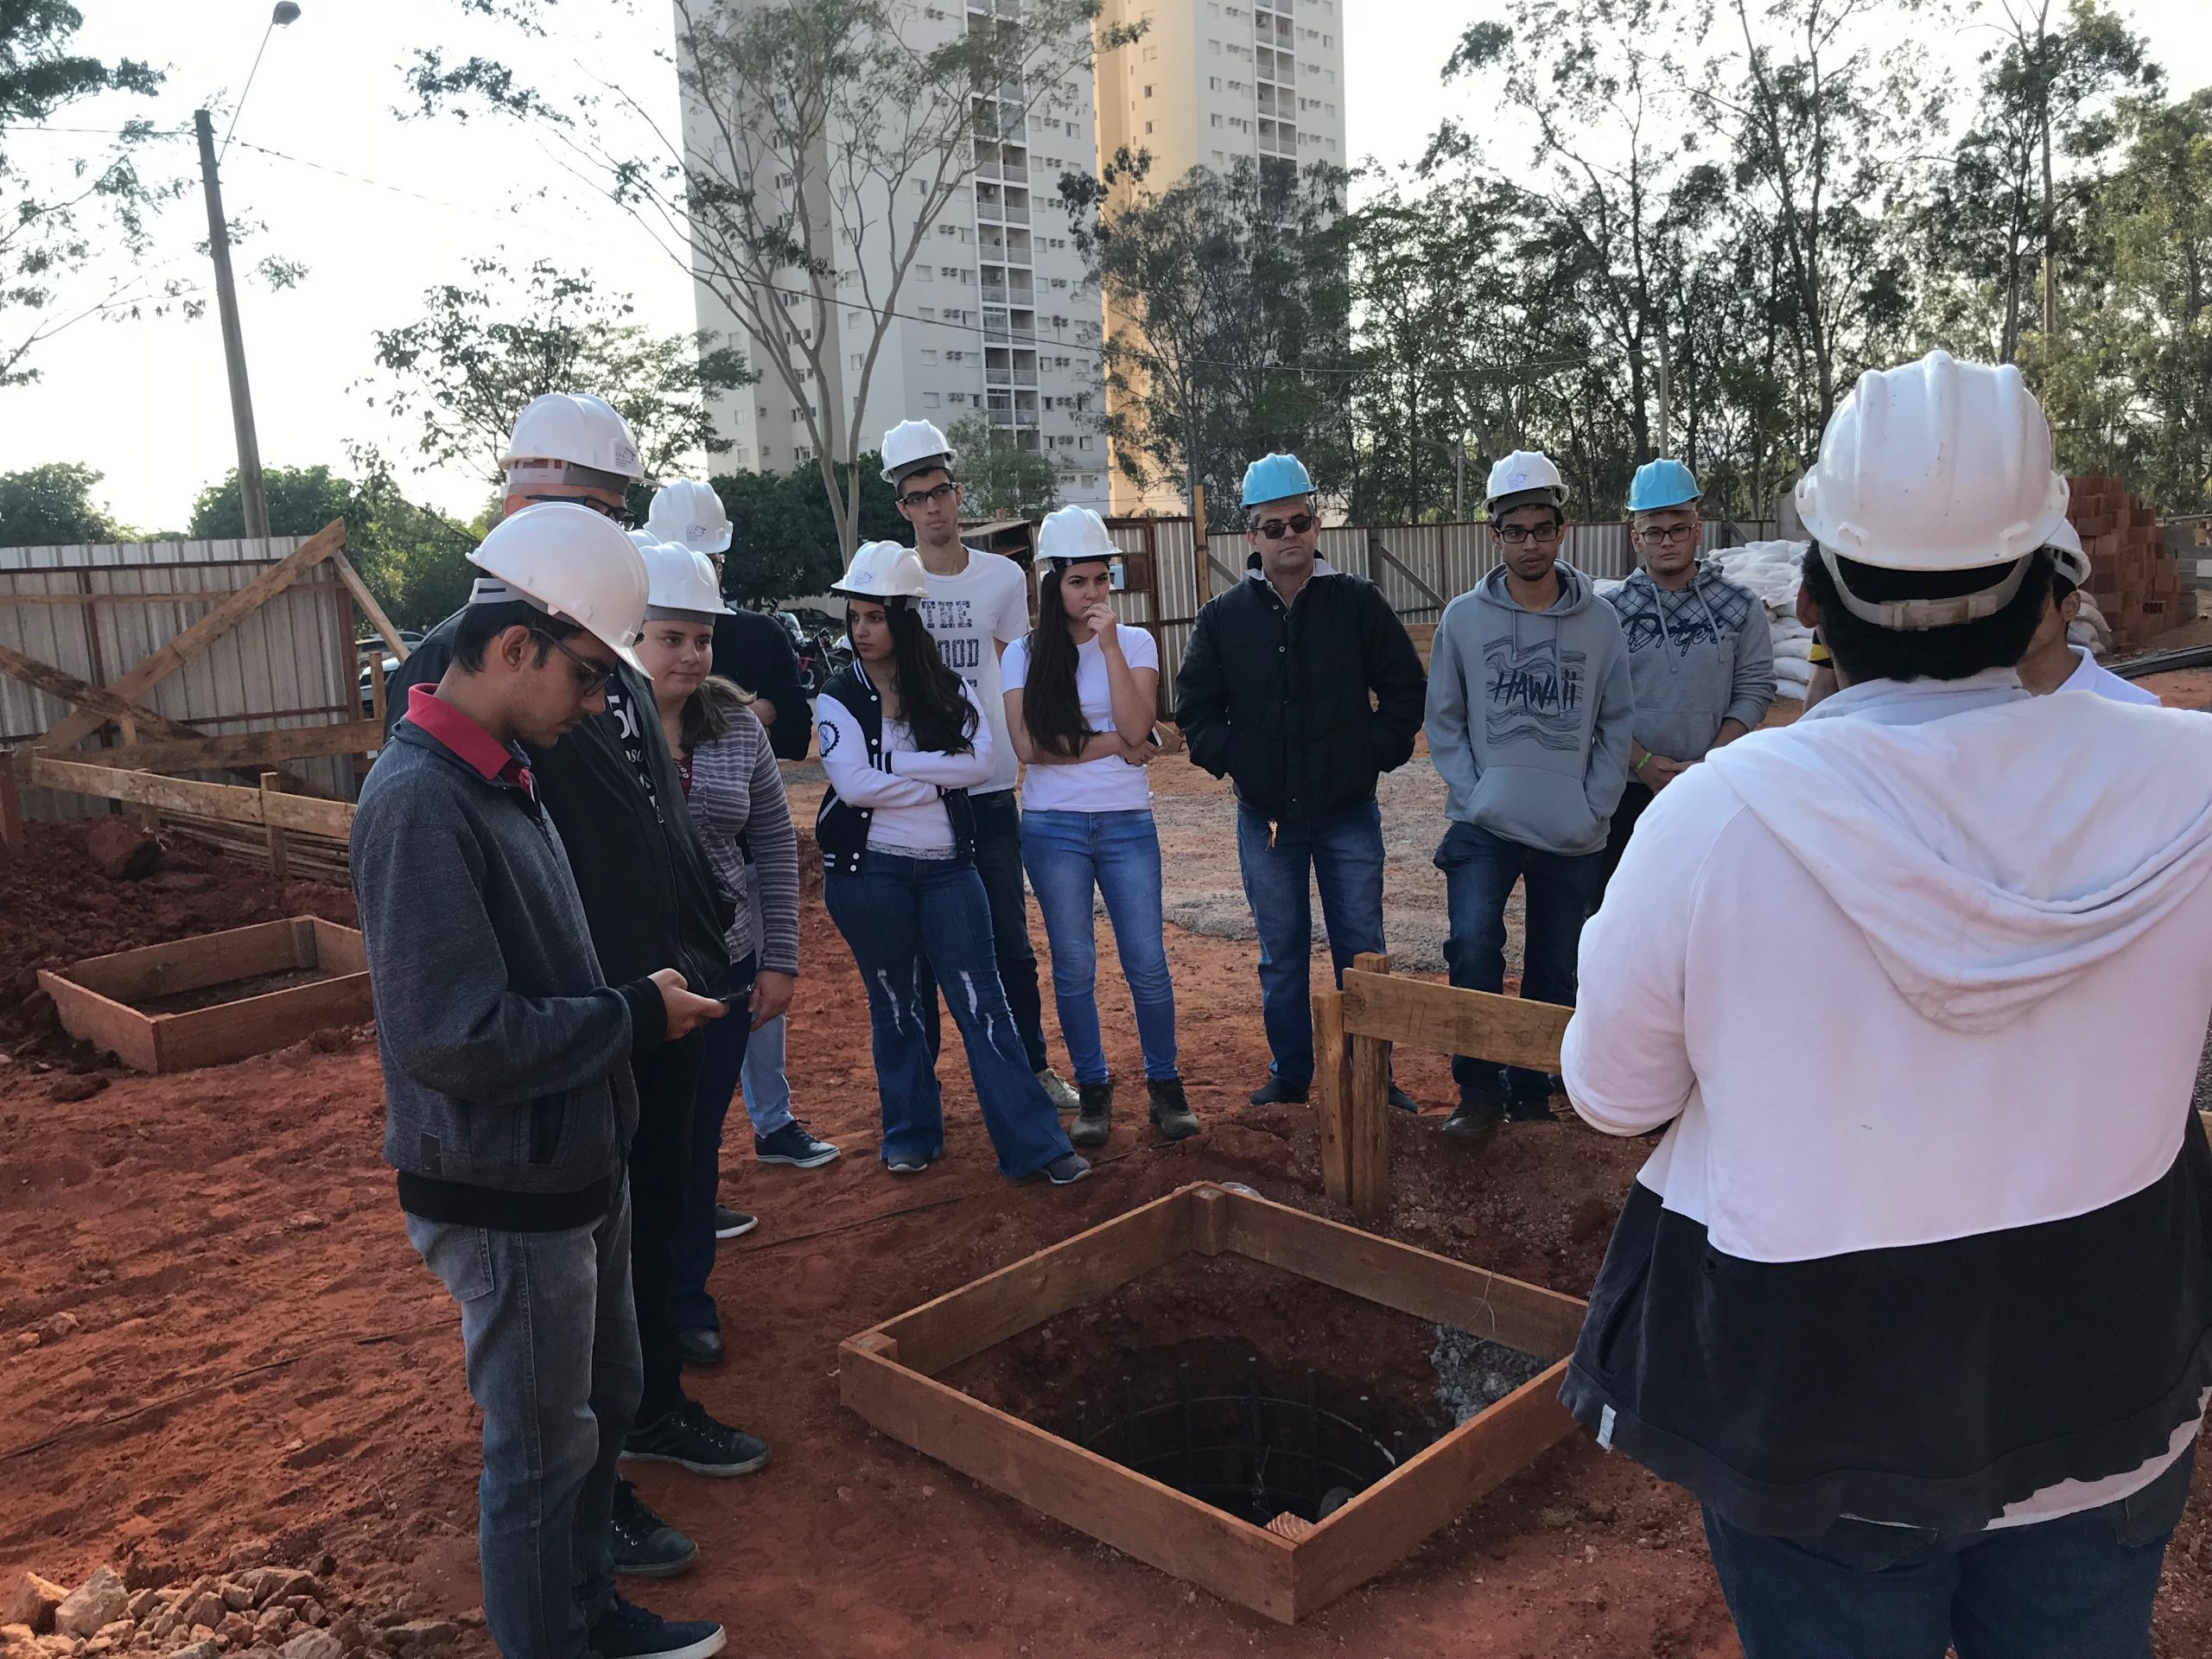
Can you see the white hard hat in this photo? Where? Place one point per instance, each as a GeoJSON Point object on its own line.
{"type": "Point", "coordinates": [1522, 471]}
{"type": "Point", "coordinates": [883, 570]}
{"type": "Point", "coordinates": [909, 445]}
{"type": "Point", "coordinates": [1073, 533]}
{"type": "Point", "coordinates": [2070, 563]}
{"type": "Point", "coordinates": [679, 582]}
{"type": "Point", "coordinates": [689, 511]}
{"type": "Point", "coordinates": [571, 562]}
{"type": "Point", "coordinates": [577, 429]}
{"type": "Point", "coordinates": [1937, 465]}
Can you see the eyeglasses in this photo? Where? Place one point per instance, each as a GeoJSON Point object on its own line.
{"type": "Point", "coordinates": [1275, 529]}
{"type": "Point", "coordinates": [1513, 535]}
{"type": "Point", "coordinates": [590, 675]}
{"type": "Point", "coordinates": [621, 515]}
{"type": "Point", "coordinates": [1669, 535]}
{"type": "Point", "coordinates": [921, 499]}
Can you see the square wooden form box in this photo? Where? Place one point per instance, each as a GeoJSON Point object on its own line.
{"type": "Point", "coordinates": [888, 1375]}
{"type": "Point", "coordinates": [93, 997]}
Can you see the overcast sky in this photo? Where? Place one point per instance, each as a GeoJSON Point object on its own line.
{"type": "Point", "coordinates": [380, 209]}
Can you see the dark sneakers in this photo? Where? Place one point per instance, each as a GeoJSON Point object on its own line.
{"type": "Point", "coordinates": [624, 1631]}
{"type": "Point", "coordinates": [1520, 1110]}
{"type": "Point", "coordinates": [1067, 1169]}
{"type": "Point", "coordinates": [792, 1146]}
{"type": "Point", "coordinates": [1171, 1111]}
{"type": "Point", "coordinates": [1275, 1092]}
{"type": "Point", "coordinates": [1094, 1115]}
{"type": "Point", "coordinates": [689, 1439]}
{"type": "Point", "coordinates": [700, 1346]}
{"type": "Point", "coordinates": [733, 1223]}
{"type": "Point", "coordinates": [1402, 1101]}
{"type": "Point", "coordinates": [647, 1547]}
{"type": "Point", "coordinates": [1475, 1118]}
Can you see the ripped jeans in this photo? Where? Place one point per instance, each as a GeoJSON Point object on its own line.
{"type": "Point", "coordinates": [893, 913]}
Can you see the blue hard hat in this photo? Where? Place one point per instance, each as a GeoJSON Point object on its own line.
{"type": "Point", "coordinates": [1275, 478]}
{"type": "Point", "coordinates": [1661, 483]}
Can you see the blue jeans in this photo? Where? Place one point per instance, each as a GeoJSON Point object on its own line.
{"type": "Point", "coordinates": [1117, 853]}
{"type": "Point", "coordinates": [767, 1093]}
{"type": "Point", "coordinates": [1561, 889]}
{"type": "Point", "coordinates": [550, 1336]}
{"type": "Point", "coordinates": [2078, 1586]}
{"type": "Point", "coordinates": [998, 861]}
{"type": "Point", "coordinates": [1344, 853]}
{"type": "Point", "coordinates": [895, 914]}
{"type": "Point", "coordinates": [690, 1308]}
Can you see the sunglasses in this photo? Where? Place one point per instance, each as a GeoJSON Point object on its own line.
{"type": "Point", "coordinates": [1513, 535]}
{"type": "Point", "coordinates": [590, 675]}
{"type": "Point", "coordinates": [921, 499]}
{"type": "Point", "coordinates": [1274, 530]}
{"type": "Point", "coordinates": [621, 516]}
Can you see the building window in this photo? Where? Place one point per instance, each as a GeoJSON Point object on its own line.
{"type": "Point", "coordinates": [929, 400]}
{"type": "Point", "coordinates": [1147, 92]}
{"type": "Point", "coordinates": [929, 357]}
{"type": "Point", "coordinates": [855, 362]}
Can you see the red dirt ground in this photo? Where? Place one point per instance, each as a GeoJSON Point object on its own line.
{"type": "Point", "coordinates": [261, 1366]}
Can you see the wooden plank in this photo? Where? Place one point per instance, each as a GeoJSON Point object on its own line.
{"type": "Point", "coordinates": [255, 749]}
{"type": "Point", "coordinates": [196, 638]}
{"type": "Point", "coordinates": [69, 689]}
{"type": "Point", "coordinates": [1376, 1529]}
{"type": "Point", "coordinates": [1374, 545]}
{"type": "Point", "coordinates": [280, 868]}
{"type": "Point", "coordinates": [226, 801]}
{"type": "Point", "coordinates": [337, 949]}
{"type": "Point", "coordinates": [105, 1024]}
{"type": "Point", "coordinates": [368, 601]}
{"type": "Point", "coordinates": [1367, 1109]}
{"type": "Point", "coordinates": [98, 596]}
{"type": "Point", "coordinates": [1430, 1287]}
{"type": "Point", "coordinates": [1077, 1270]}
{"type": "Point", "coordinates": [1135, 1514]}
{"type": "Point", "coordinates": [1331, 1092]}
{"type": "Point", "coordinates": [11, 806]}
{"type": "Point", "coordinates": [191, 965]}
{"type": "Point", "coordinates": [258, 1025]}
{"type": "Point", "coordinates": [1510, 1030]}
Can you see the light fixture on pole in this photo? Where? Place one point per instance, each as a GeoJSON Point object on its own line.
{"type": "Point", "coordinates": [253, 497]}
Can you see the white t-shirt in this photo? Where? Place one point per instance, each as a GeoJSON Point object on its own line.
{"type": "Point", "coordinates": [1106, 785]}
{"type": "Point", "coordinates": [905, 792]}
{"type": "Point", "coordinates": [2103, 683]}
{"type": "Point", "coordinates": [969, 616]}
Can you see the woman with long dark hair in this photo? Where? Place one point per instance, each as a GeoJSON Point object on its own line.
{"type": "Point", "coordinates": [902, 741]}
{"type": "Point", "coordinates": [1080, 693]}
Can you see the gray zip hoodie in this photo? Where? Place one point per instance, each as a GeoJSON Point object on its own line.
{"type": "Point", "coordinates": [1529, 714]}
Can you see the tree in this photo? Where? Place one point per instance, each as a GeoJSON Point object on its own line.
{"type": "Point", "coordinates": [824, 139]}
{"type": "Point", "coordinates": [301, 500]}
{"type": "Point", "coordinates": [1002, 479]}
{"type": "Point", "coordinates": [54, 221]}
{"type": "Point", "coordinates": [784, 538]}
{"type": "Point", "coordinates": [1228, 303]}
{"type": "Point", "coordinates": [52, 506]}
{"type": "Point", "coordinates": [484, 348]}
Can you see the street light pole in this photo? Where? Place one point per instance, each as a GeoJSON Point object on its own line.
{"type": "Point", "coordinates": [252, 498]}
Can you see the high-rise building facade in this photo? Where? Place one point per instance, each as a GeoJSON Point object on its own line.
{"type": "Point", "coordinates": [1209, 81]}
{"type": "Point", "coordinates": [995, 316]}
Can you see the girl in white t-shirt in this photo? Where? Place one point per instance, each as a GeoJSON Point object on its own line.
{"type": "Point", "coordinates": [1080, 692]}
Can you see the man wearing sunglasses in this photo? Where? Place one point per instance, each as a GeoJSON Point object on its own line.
{"type": "Point", "coordinates": [1700, 654]}
{"type": "Point", "coordinates": [1529, 719]}
{"type": "Point", "coordinates": [977, 605]}
{"type": "Point", "coordinates": [611, 790]}
{"type": "Point", "coordinates": [1300, 685]}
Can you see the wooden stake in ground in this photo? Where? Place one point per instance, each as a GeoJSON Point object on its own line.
{"type": "Point", "coordinates": [280, 868]}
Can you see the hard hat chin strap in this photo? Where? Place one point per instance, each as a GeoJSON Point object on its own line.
{"type": "Point", "coordinates": [1919, 615]}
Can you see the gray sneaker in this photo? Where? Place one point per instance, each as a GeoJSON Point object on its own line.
{"type": "Point", "coordinates": [1060, 1092]}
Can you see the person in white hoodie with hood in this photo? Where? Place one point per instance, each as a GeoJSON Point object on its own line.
{"type": "Point", "coordinates": [1916, 1292]}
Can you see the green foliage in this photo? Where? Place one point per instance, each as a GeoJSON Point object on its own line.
{"type": "Point", "coordinates": [1001, 478]}
{"type": "Point", "coordinates": [484, 348]}
{"type": "Point", "coordinates": [301, 500]}
{"type": "Point", "coordinates": [783, 542]}
{"type": "Point", "coordinates": [52, 506]}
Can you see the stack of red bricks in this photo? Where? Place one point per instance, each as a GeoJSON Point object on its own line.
{"type": "Point", "coordinates": [2135, 582]}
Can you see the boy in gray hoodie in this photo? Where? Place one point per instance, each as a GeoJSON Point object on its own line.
{"type": "Point", "coordinates": [1529, 724]}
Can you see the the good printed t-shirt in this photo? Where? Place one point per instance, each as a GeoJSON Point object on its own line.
{"type": "Point", "coordinates": [1108, 786]}
{"type": "Point", "coordinates": [969, 616]}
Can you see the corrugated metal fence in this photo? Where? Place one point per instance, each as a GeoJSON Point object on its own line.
{"type": "Point", "coordinates": [97, 611]}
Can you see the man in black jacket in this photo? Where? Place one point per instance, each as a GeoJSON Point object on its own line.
{"type": "Point", "coordinates": [1301, 686]}
{"type": "Point", "coordinates": [651, 899]}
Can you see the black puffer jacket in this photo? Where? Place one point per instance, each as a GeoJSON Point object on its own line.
{"type": "Point", "coordinates": [1277, 698]}
{"type": "Point", "coordinates": [649, 893]}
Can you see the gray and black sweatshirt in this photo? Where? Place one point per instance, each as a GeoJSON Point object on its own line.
{"type": "Point", "coordinates": [1697, 656]}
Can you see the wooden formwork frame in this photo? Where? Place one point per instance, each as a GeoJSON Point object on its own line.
{"type": "Point", "coordinates": [1353, 1030]}
{"type": "Point", "coordinates": [93, 997]}
{"type": "Point", "coordinates": [888, 1374]}
{"type": "Point", "coordinates": [178, 747]}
